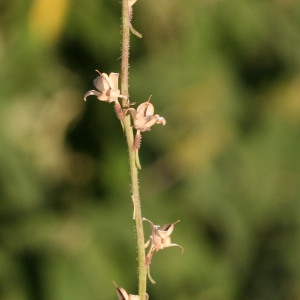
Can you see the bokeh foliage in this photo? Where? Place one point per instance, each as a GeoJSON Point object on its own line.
{"type": "Point", "coordinates": [226, 76]}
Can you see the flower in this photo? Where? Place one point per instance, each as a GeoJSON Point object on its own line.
{"type": "Point", "coordinates": [107, 87]}
{"type": "Point", "coordinates": [107, 91]}
{"type": "Point", "coordinates": [160, 238]}
{"type": "Point", "coordinates": [143, 119]}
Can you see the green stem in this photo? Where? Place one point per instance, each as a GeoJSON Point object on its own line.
{"type": "Point", "coordinates": [142, 269]}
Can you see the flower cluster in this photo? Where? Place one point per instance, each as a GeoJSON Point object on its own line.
{"type": "Point", "coordinates": [143, 117]}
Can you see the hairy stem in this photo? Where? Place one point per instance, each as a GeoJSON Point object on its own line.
{"type": "Point", "coordinates": [142, 269]}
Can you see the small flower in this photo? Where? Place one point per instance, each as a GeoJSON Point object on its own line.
{"type": "Point", "coordinates": [107, 87]}
{"type": "Point", "coordinates": [107, 91]}
{"type": "Point", "coordinates": [143, 119]}
{"type": "Point", "coordinates": [160, 238]}
{"type": "Point", "coordinates": [122, 294]}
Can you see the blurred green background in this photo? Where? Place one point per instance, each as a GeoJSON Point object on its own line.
{"type": "Point", "coordinates": [226, 76]}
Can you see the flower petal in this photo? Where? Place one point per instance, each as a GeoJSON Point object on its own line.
{"type": "Point", "coordinates": [113, 95]}
{"type": "Point", "coordinates": [146, 109]}
{"type": "Point", "coordinates": [101, 82]}
{"type": "Point", "coordinates": [91, 93]}
{"type": "Point", "coordinates": [160, 120]}
{"type": "Point", "coordinates": [113, 80]}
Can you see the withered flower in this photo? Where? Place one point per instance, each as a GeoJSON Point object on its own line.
{"type": "Point", "coordinates": [107, 87]}
{"type": "Point", "coordinates": [160, 238]}
{"type": "Point", "coordinates": [107, 90]}
{"type": "Point", "coordinates": [143, 119]}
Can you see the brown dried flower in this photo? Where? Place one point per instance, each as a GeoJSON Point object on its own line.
{"type": "Point", "coordinates": [143, 119]}
{"type": "Point", "coordinates": [107, 91]}
{"type": "Point", "coordinates": [107, 87]}
{"type": "Point", "coordinates": [160, 238]}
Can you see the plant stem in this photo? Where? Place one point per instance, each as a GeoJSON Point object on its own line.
{"type": "Point", "coordinates": [142, 269]}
